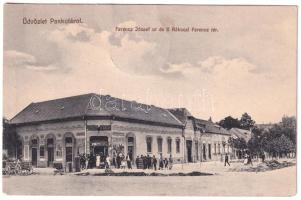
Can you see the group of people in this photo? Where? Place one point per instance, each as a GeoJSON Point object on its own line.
{"type": "Point", "coordinates": [94, 160]}
{"type": "Point", "coordinates": [148, 162]}
{"type": "Point", "coordinates": [119, 161]}
{"type": "Point", "coordinates": [247, 159]}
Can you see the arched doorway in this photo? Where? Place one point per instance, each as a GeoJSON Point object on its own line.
{"type": "Point", "coordinates": [50, 146]}
{"type": "Point", "coordinates": [34, 145]}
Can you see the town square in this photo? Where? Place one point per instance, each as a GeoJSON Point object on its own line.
{"type": "Point", "coordinates": [149, 100]}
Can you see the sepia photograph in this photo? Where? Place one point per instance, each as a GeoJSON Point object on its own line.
{"type": "Point", "coordinates": [149, 100]}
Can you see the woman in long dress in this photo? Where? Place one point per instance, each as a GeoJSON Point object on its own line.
{"type": "Point", "coordinates": [97, 160]}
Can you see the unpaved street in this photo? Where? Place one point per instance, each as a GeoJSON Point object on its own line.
{"type": "Point", "coordinates": [281, 182]}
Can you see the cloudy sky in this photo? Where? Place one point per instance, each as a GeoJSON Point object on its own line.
{"type": "Point", "coordinates": [249, 65]}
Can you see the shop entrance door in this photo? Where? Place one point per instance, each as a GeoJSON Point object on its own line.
{"type": "Point", "coordinates": [131, 148]}
{"type": "Point", "coordinates": [50, 156]}
{"type": "Point", "coordinates": [34, 156]}
{"type": "Point", "coordinates": [50, 152]}
{"type": "Point", "coordinates": [99, 145]}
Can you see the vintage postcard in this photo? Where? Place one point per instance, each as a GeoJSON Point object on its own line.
{"type": "Point", "coordinates": [149, 100]}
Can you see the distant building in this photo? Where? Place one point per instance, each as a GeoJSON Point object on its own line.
{"type": "Point", "coordinates": [241, 133]}
{"type": "Point", "coordinates": [265, 127]}
{"type": "Point", "coordinates": [208, 141]}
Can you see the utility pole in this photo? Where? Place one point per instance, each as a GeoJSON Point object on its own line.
{"type": "Point", "coordinates": [85, 126]}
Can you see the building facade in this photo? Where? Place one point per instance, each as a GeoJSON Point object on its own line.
{"type": "Point", "coordinates": [205, 140]}
{"type": "Point", "coordinates": [61, 129]}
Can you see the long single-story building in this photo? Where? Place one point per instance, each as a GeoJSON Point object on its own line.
{"type": "Point", "coordinates": [59, 130]}
{"type": "Point", "coordinates": [208, 140]}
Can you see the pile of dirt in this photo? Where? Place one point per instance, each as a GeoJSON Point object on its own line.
{"type": "Point", "coordinates": [111, 173]}
{"type": "Point", "coordinates": [261, 167]}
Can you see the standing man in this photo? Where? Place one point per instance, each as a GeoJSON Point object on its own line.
{"type": "Point", "coordinates": [227, 159]}
{"type": "Point", "coordinates": [137, 162]}
{"type": "Point", "coordinates": [114, 160]}
{"type": "Point", "coordinates": [262, 157]}
{"type": "Point", "coordinates": [155, 162]}
{"type": "Point", "coordinates": [250, 160]}
{"type": "Point", "coordinates": [170, 162]}
{"type": "Point", "coordinates": [161, 162]}
{"type": "Point", "coordinates": [118, 160]}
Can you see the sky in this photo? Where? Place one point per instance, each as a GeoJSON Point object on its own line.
{"type": "Point", "coordinates": [248, 65]}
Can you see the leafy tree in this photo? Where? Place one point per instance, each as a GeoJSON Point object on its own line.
{"type": "Point", "coordinates": [289, 129]}
{"type": "Point", "coordinates": [257, 141]}
{"type": "Point", "coordinates": [238, 143]}
{"type": "Point", "coordinates": [286, 127]}
{"type": "Point", "coordinates": [11, 140]}
{"type": "Point", "coordinates": [280, 145]}
{"type": "Point", "coordinates": [229, 122]}
{"type": "Point", "coordinates": [246, 121]}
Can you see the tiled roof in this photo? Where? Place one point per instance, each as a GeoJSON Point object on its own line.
{"type": "Point", "coordinates": [93, 105]}
{"type": "Point", "coordinates": [241, 133]}
{"type": "Point", "coordinates": [210, 127]}
{"type": "Point", "coordinates": [180, 113]}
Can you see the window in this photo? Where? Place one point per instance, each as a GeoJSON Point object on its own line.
{"type": "Point", "coordinates": [50, 142]}
{"type": "Point", "coordinates": [58, 151]}
{"type": "Point", "coordinates": [42, 150]}
{"type": "Point", "coordinates": [69, 149]}
{"type": "Point", "coordinates": [149, 144]}
{"type": "Point", "coordinates": [34, 142]}
{"type": "Point", "coordinates": [214, 148]}
{"type": "Point", "coordinates": [130, 141]}
{"type": "Point", "coordinates": [196, 146]}
{"type": "Point", "coordinates": [219, 148]}
{"type": "Point", "coordinates": [68, 140]}
{"type": "Point", "coordinates": [178, 145]}
{"type": "Point", "coordinates": [169, 145]}
{"type": "Point", "coordinates": [159, 140]}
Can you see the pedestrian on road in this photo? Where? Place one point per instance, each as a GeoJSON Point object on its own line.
{"type": "Point", "coordinates": [97, 164]}
{"type": "Point", "coordinates": [155, 162]}
{"type": "Point", "coordinates": [114, 162]}
{"type": "Point", "coordinates": [250, 160]}
{"type": "Point", "coordinates": [149, 162]}
{"type": "Point", "coordinates": [108, 162]}
{"type": "Point", "coordinates": [137, 162]}
{"type": "Point", "coordinates": [161, 163]}
{"type": "Point", "coordinates": [170, 161]}
{"type": "Point", "coordinates": [140, 163]}
{"type": "Point", "coordinates": [227, 160]}
{"type": "Point", "coordinates": [262, 157]}
{"type": "Point", "coordinates": [165, 163]}
{"type": "Point", "coordinates": [118, 160]}
{"type": "Point", "coordinates": [82, 161]}
{"type": "Point", "coordinates": [129, 162]}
